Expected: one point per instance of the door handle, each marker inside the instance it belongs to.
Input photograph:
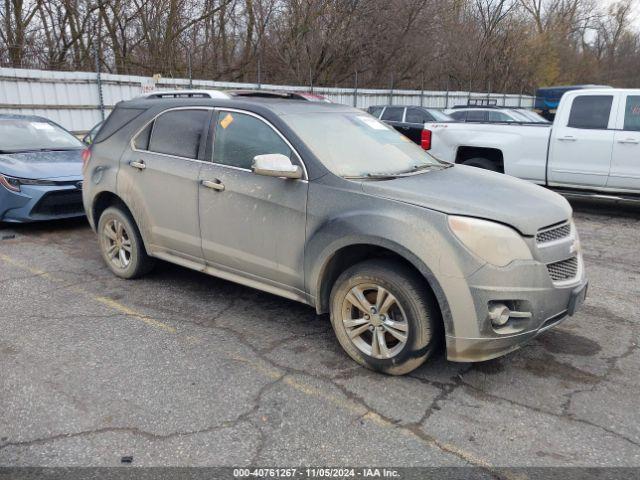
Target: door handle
(568, 138)
(139, 165)
(213, 184)
(629, 140)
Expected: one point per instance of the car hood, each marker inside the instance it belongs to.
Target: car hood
(474, 192)
(42, 165)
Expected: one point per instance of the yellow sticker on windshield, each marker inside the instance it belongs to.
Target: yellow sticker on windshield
(226, 121)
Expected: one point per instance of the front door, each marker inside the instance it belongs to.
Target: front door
(581, 140)
(252, 226)
(158, 179)
(625, 161)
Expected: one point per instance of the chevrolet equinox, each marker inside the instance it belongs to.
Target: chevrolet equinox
(324, 204)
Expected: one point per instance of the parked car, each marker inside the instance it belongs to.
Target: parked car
(324, 204)
(40, 170)
(494, 115)
(592, 148)
(409, 120)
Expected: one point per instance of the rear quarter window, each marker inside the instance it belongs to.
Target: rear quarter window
(115, 121)
(375, 111)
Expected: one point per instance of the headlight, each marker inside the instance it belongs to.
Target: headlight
(493, 242)
(10, 183)
(13, 183)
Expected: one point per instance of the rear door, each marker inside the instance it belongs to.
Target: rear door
(159, 180)
(625, 160)
(581, 141)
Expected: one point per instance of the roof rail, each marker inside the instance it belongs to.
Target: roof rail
(186, 94)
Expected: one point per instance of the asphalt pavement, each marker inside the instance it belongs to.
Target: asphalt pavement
(180, 368)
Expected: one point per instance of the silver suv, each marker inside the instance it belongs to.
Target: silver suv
(325, 204)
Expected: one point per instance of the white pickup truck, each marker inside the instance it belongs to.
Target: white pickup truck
(592, 148)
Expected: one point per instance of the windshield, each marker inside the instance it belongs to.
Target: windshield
(439, 116)
(24, 135)
(355, 144)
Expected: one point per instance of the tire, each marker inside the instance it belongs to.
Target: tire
(414, 316)
(131, 262)
(480, 162)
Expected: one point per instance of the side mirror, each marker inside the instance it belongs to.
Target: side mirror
(275, 165)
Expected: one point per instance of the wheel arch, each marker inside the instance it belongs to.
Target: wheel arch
(494, 155)
(345, 255)
(106, 199)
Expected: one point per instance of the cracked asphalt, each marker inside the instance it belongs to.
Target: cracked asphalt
(180, 368)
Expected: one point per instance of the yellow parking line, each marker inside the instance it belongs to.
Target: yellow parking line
(113, 304)
(132, 313)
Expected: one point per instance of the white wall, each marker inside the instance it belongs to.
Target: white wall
(72, 98)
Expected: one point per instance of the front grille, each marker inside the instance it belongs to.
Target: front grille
(66, 202)
(554, 233)
(564, 270)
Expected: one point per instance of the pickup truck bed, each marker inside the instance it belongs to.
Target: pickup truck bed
(592, 148)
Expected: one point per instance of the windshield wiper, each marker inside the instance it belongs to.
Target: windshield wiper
(371, 176)
(387, 176)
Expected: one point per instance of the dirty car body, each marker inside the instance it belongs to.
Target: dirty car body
(357, 220)
(40, 170)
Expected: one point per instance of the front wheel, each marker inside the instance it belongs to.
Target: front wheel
(384, 317)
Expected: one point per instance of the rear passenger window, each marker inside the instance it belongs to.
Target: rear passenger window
(476, 116)
(393, 114)
(499, 117)
(632, 113)
(241, 137)
(415, 115)
(178, 132)
(591, 112)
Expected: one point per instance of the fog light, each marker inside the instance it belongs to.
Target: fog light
(499, 315)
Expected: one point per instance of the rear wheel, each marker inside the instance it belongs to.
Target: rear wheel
(480, 162)
(121, 245)
(384, 317)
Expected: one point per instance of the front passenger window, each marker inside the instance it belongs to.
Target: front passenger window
(240, 137)
(632, 113)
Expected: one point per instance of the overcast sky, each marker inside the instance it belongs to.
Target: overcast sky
(636, 10)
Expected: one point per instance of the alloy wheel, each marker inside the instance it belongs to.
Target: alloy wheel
(117, 243)
(374, 320)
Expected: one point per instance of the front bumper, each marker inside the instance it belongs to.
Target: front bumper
(41, 202)
(529, 290)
